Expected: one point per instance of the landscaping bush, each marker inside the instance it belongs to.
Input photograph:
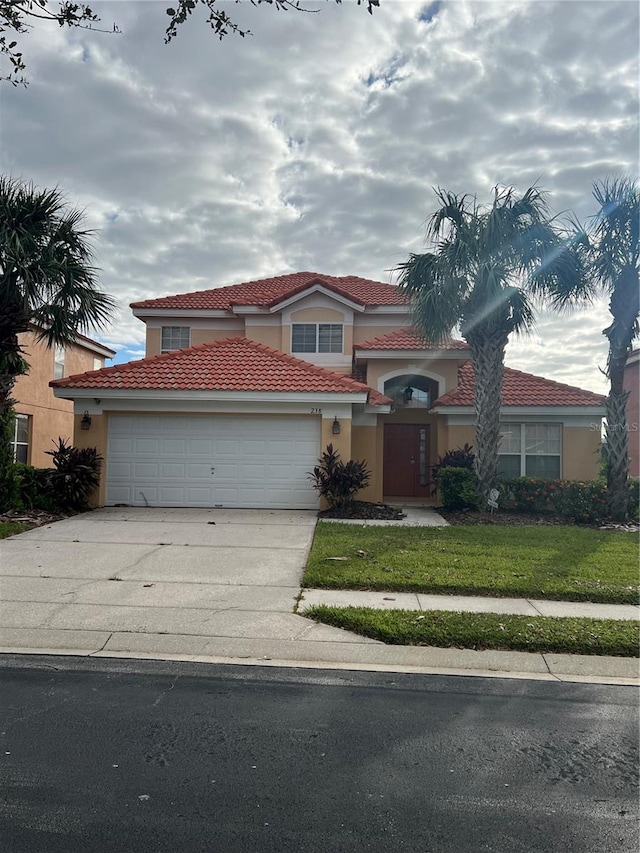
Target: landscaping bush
(461, 457)
(458, 488)
(8, 482)
(337, 481)
(583, 502)
(33, 487)
(634, 500)
(528, 494)
(76, 474)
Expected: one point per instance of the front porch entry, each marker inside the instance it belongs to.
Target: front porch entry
(406, 470)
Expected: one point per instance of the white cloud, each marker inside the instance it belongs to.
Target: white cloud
(314, 143)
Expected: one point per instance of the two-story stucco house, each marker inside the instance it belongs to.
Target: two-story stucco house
(242, 387)
(41, 416)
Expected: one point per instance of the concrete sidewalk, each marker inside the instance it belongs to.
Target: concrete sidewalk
(465, 604)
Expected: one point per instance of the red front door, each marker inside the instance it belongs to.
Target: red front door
(406, 460)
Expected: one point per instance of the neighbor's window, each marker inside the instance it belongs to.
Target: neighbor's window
(175, 337)
(58, 363)
(531, 450)
(97, 364)
(20, 439)
(316, 337)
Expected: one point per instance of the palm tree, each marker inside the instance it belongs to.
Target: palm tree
(485, 269)
(611, 247)
(46, 276)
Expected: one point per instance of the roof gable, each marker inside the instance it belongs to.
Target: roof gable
(270, 291)
(232, 364)
(520, 389)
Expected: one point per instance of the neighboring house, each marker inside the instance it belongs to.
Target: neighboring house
(244, 386)
(41, 416)
(632, 385)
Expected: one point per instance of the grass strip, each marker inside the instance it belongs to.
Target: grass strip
(10, 528)
(562, 563)
(485, 630)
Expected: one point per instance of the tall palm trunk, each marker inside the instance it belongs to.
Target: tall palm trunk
(488, 361)
(624, 306)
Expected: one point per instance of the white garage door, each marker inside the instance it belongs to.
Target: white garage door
(208, 461)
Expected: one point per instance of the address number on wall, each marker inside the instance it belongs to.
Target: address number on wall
(316, 411)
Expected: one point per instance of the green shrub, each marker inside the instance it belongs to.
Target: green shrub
(634, 499)
(338, 481)
(461, 457)
(528, 494)
(584, 502)
(8, 482)
(33, 487)
(458, 488)
(76, 475)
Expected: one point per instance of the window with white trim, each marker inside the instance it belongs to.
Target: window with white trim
(58, 363)
(175, 337)
(531, 450)
(20, 438)
(97, 363)
(316, 337)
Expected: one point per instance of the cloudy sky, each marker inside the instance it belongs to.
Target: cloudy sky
(314, 143)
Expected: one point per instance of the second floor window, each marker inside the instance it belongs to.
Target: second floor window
(316, 337)
(175, 337)
(58, 363)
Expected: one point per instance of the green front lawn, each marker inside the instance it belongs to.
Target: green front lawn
(485, 630)
(563, 563)
(10, 528)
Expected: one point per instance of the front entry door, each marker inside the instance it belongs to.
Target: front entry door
(406, 460)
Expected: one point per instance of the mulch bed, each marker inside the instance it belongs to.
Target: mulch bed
(32, 517)
(365, 511)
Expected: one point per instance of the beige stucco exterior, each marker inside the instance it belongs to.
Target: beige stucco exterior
(95, 436)
(580, 452)
(50, 417)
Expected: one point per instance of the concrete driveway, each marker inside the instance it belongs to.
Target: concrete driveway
(158, 580)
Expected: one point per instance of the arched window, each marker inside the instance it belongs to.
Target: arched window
(411, 391)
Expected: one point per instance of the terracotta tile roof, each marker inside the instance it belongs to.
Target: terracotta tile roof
(408, 338)
(232, 364)
(270, 291)
(520, 389)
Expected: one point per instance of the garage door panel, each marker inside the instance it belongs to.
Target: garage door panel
(146, 471)
(258, 461)
(173, 447)
(171, 470)
(200, 446)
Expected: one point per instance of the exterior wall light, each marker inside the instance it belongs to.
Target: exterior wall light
(85, 423)
(335, 426)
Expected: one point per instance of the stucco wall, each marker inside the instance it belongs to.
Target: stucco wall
(95, 436)
(580, 453)
(366, 443)
(51, 417)
(152, 343)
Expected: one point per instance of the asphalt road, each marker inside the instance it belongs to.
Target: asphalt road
(108, 755)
